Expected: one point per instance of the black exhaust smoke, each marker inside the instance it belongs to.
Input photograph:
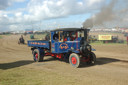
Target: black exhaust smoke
(113, 14)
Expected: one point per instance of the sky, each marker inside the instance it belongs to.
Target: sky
(17, 15)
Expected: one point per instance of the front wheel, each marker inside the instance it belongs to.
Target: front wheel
(74, 60)
(92, 59)
(38, 56)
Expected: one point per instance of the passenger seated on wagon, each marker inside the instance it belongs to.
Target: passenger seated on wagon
(67, 38)
(56, 37)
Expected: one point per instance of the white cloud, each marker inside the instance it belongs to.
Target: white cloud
(18, 0)
(38, 10)
(47, 9)
(18, 14)
(6, 3)
(92, 2)
(13, 27)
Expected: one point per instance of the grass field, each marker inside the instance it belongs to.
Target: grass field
(28, 76)
(120, 35)
(36, 37)
(0, 36)
(18, 68)
(39, 36)
(101, 42)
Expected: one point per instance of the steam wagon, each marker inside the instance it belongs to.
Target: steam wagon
(65, 43)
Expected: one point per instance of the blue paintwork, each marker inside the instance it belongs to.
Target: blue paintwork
(39, 43)
(56, 46)
(64, 47)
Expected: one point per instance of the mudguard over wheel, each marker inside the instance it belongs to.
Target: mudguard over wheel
(74, 60)
(38, 56)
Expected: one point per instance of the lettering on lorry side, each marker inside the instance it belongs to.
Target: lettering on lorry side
(35, 43)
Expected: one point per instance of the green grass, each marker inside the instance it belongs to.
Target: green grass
(28, 76)
(0, 36)
(8, 34)
(37, 37)
(101, 43)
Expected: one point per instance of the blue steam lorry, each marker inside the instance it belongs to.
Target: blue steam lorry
(65, 43)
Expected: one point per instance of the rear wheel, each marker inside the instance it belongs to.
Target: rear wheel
(74, 60)
(38, 56)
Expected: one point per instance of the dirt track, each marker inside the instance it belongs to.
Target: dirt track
(111, 67)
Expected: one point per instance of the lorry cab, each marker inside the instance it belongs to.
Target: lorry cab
(66, 40)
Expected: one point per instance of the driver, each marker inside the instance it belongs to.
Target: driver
(73, 36)
(21, 39)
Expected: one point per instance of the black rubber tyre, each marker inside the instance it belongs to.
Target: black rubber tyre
(92, 59)
(38, 56)
(74, 60)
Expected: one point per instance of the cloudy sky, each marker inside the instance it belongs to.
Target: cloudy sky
(46, 14)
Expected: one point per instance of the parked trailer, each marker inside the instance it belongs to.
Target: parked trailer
(66, 43)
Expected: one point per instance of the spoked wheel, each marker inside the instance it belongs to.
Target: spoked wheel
(37, 56)
(74, 60)
(92, 59)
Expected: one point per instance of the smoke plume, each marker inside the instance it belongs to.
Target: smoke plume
(114, 14)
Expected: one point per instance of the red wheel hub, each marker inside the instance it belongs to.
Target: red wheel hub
(36, 55)
(74, 60)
